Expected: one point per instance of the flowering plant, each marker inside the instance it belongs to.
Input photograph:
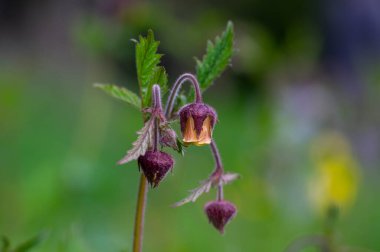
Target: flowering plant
(197, 121)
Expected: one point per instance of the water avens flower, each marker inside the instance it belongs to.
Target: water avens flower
(155, 165)
(219, 213)
(197, 123)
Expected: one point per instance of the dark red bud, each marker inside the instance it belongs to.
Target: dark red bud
(155, 165)
(220, 213)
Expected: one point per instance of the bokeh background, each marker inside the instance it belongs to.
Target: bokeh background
(298, 107)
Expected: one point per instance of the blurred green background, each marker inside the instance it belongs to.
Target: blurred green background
(302, 69)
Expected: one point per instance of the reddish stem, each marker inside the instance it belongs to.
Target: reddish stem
(157, 111)
(177, 85)
(218, 169)
(138, 233)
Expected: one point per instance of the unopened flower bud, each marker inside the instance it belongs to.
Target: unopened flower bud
(220, 213)
(168, 138)
(197, 122)
(155, 165)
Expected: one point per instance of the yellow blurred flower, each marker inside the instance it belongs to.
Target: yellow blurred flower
(335, 180)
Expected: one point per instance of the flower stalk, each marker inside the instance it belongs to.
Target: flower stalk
(197, 122)
(176, 87)
(157, 112)
(142, 198)
(218, 169)
(138, 233)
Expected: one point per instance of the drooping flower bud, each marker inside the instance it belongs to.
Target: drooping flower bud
(155, 165)
(197, 122)
(220, 213)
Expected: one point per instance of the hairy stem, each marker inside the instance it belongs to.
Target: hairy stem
(157, 111)
(157, 97)
(218, 169)
(219, 194)
(156, 134)
(142, 196)
(176, 87)
(138, 233)
(215, 153)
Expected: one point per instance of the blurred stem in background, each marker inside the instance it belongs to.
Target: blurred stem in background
(309, 241)
(332, 216)
(325, 242)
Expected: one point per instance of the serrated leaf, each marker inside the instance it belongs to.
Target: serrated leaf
(120, 93)
(195, 193)
(140, 146)
(216, 59)
(148, 71)
(159, 77)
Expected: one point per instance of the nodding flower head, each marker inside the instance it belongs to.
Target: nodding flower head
(155, 165)
(197, 123)
(220, 213)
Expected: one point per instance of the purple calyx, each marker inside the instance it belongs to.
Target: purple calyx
(155, 165)
(199, 112)
(220, 213)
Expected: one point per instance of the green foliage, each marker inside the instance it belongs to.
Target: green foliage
(148, 71)
(120, 93)
(214, 62)
(159, 77)
(216, 59)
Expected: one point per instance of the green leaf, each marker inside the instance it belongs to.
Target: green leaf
(148, 71)
(120, 93)
(216, 59)
(159, 77)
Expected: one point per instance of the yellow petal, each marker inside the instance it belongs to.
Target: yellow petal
(205, 135)
(190, 134)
